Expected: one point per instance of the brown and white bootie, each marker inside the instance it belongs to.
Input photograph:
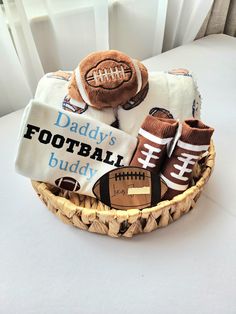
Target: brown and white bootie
(177, 170)
(154, 136)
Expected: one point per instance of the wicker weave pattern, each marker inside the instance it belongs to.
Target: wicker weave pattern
(89, 214)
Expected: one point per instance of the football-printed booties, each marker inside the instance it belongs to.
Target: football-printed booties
(107, 79)
(155, 135)
(177, 170)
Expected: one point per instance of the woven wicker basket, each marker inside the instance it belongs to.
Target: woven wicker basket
(90, 214)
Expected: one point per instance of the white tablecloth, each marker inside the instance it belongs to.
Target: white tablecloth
(188, 267)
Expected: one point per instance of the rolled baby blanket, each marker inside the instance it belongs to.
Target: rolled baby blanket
(67, 150)
(168, 95)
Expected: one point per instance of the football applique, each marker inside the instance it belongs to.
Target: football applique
(109, 74)
(128, 187)
(68, 183)
(107, 79)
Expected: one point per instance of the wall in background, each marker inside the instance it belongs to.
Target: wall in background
(137, 27)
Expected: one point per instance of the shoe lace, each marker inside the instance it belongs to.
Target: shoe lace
(186, 159)
(151, 153)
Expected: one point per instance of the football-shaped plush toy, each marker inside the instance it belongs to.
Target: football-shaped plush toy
(128, 187)
(68, 183)
(107, 79)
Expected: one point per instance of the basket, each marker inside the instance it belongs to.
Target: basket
(90, 214)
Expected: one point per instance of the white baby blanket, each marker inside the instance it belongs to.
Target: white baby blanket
(173, 92)
(69, 150)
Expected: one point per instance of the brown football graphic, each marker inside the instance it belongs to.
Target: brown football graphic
(68, 106)
(68, 183)
(128, 187)
(160, 113)
(137, 99)
(107, 79)
(108, 74)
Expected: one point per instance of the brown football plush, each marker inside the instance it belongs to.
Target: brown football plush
(107, 79)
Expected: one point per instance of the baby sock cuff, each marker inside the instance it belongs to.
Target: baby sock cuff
(195, 132)
(159, 127)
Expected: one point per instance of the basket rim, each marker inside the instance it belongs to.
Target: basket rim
(62, 203)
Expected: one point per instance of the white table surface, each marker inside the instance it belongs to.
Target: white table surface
(188, 267)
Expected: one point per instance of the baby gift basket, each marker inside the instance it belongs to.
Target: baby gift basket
(117, 150)
(89, 214)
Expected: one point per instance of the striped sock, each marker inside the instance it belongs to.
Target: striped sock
(177, 170)
(154, 136)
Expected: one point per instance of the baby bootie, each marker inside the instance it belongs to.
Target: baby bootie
(177, 170)
(154, 136)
